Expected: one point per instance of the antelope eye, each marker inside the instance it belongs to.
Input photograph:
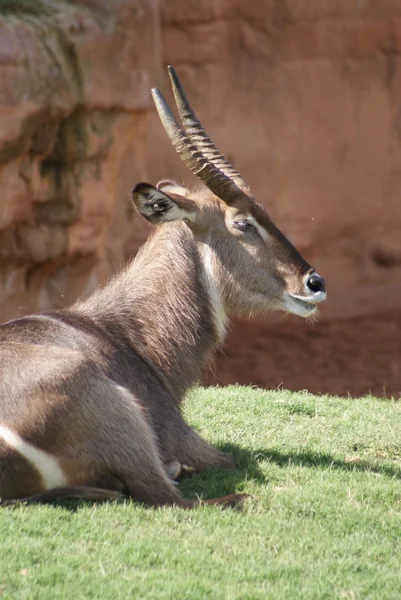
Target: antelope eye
(242, 225)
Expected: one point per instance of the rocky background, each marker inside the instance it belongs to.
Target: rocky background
(304, 97)
(74, 112)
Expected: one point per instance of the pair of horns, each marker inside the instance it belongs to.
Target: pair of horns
(196, 148)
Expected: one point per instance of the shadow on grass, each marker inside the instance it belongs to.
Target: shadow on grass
(326, 461)
(218, 482)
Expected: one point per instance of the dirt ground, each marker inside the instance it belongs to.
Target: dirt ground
(344, 357)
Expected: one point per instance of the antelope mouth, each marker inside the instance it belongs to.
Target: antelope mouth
(303, 307)
(305, 303)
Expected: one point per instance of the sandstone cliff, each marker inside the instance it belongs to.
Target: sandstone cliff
(303, 96)
(74, 105)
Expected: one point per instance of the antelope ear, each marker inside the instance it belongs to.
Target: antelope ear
(158, 207)
(170, 187)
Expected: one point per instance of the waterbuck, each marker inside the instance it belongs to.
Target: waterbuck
(91, 396)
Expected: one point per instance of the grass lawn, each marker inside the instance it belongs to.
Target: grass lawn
(324, 522)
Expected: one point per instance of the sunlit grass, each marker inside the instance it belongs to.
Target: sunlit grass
(324, 520)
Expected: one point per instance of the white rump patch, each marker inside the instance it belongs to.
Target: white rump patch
(44, 463)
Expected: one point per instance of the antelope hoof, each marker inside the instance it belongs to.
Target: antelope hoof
(175, 470)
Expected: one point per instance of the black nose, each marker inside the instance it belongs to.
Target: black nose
(316, 283)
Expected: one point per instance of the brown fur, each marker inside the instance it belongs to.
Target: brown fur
(99, 386)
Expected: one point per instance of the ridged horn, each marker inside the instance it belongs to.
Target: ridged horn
(197, 134)
(195, 148)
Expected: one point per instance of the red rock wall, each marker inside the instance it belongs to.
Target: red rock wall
(303, 96)
(74, 106)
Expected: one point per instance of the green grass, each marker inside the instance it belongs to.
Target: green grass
(325, 520)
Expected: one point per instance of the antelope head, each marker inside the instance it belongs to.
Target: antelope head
(248, 265)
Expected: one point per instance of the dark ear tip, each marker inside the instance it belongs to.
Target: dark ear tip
(140, 188)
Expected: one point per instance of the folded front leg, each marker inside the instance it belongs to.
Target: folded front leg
(199, 455)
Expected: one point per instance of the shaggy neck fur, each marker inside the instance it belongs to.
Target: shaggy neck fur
(168, 306)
